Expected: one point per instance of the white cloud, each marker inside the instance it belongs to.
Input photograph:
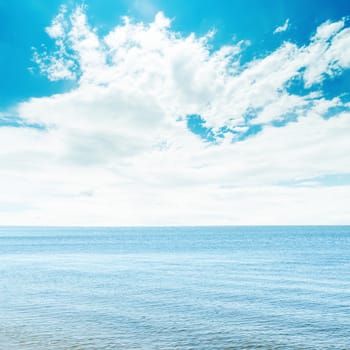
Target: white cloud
(282, 28)
(328, 29)
(116, 149)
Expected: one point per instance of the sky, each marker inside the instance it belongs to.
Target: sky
(123, 113)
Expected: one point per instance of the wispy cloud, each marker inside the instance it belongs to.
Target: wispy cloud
(123, 134)
(282, 28)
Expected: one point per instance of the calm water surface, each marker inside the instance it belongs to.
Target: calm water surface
(175, 288)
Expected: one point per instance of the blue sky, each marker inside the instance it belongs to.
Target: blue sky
(185, 113)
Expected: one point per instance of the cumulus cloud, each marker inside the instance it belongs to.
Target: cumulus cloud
(121, 134)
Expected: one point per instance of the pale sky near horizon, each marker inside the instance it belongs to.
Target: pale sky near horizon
(174, 113)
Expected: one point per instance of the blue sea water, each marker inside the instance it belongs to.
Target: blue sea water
(175, 288)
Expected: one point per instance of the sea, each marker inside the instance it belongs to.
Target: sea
(244, 287)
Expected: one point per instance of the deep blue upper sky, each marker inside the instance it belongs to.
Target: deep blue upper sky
(22, 25)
